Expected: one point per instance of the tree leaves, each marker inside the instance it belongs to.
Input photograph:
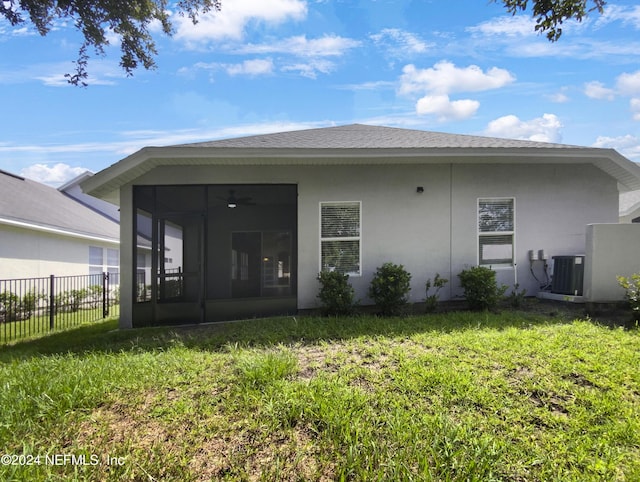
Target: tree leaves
(130, 21)
(551, 14)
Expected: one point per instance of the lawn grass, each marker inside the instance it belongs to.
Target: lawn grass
(38, 325)
(457, 396)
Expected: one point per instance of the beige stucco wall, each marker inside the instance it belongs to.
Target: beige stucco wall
(25, 253)
(611, 250)
(432, 232)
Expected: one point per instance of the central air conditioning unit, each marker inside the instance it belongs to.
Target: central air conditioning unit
(568, 275)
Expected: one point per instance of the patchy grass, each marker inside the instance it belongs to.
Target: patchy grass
(458, 396)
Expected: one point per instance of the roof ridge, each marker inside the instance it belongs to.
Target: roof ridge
(369, 136)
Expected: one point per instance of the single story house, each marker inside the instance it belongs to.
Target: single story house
(253, 220)
(44, 231)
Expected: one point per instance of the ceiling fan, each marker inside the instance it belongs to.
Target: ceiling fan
(233, 201)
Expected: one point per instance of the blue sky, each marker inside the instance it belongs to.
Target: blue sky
(271, 65)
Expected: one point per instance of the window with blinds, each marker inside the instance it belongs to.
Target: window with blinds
(496, 221)
(340, 238)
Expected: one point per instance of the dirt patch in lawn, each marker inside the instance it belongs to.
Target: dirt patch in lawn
(609, 314)
(286, 455)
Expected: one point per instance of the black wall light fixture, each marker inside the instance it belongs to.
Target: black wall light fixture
(419, 189)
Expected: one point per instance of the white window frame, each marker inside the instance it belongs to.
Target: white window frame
(343, 238)
(481, 234)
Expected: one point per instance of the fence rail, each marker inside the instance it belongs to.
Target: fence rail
(32, 306)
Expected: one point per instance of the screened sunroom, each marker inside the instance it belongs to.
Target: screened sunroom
(218, 252)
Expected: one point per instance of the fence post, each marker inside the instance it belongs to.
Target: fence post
(52, 301)
(105, 297)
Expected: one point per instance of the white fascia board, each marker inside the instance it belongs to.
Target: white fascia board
(58, 231)
(108, 181)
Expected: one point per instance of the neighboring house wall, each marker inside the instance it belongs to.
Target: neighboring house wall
(612, 250)
(44, 231)
(429, 233)
(630, 207)
(25, 253)
(105, 208)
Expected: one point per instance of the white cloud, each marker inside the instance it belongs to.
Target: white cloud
(101, 72)
(436, 83)
(232, 20)
(635, 108)
(620, 142)
(53, 175)
(445, 78)
(597, 90)
(301, 46)
(311, 53)
(516, 26)
(445, 109)
(541, 129)
(400, 43)
(618, 13)
(253, 67)
(310, 69)
(627, 145)
(559, 98)
(372, 85)
(629, 84)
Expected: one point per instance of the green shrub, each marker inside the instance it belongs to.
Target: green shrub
(431, 302)
(480, 288)
(516, 297)
(390, 288)
(70, 301)
(336, 294)
(632, 287)
(14, 308)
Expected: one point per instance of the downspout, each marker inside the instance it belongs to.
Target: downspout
(450, 231)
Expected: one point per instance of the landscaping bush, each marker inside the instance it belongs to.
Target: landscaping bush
(390, 288)
(14, 308)
(632, 287)
(336, 294)
(516, 297)
(431, 302)
(480, 288)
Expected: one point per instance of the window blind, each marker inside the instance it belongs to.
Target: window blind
(340, 237)
(495, 215)
(496, 231)
(340, 220)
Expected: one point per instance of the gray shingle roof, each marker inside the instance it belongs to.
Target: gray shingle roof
(38, 205)
(359, 136)
(356, 144)
(629, 201)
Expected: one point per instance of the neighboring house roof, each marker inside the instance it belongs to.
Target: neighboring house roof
(33, 205)
(358, 144)
(72, 189)
(629, 203)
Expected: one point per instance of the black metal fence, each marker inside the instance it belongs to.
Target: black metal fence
(33, 306)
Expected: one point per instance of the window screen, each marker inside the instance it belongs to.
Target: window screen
(496, 221)
(340, 239)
